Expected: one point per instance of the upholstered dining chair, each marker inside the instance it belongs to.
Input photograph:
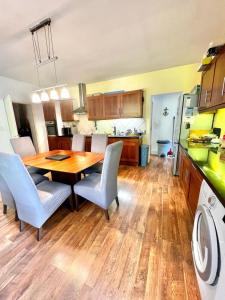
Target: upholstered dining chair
(35, 204)
(24, 147)
(98, 145)
(7, 197)
(101, 189)
(78, 142)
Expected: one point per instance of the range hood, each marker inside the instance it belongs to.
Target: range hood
(81, 110)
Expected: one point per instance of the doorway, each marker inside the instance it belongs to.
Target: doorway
(22, 120)
(163, 118)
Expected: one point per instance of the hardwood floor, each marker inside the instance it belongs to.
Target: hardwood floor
(143, 252)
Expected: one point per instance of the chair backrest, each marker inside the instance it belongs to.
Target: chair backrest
(22, 187)
(110, 170)
(99, 143)
(78, 143)
(23, 146)
(7, 197)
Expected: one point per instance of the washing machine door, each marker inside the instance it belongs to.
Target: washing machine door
(205, 246)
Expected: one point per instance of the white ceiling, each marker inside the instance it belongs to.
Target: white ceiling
(102, 39)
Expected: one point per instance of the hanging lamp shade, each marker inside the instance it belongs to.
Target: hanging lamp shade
(36, 98)
(65, 93)
(44, 96)
(54, 95)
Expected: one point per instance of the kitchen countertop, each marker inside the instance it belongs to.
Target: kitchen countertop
(206, 158)
(110, 136)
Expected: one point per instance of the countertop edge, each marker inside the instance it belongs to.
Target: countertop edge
(216, 192)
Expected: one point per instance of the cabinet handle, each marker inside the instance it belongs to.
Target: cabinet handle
(223, 86)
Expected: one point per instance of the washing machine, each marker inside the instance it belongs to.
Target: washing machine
(208, 245)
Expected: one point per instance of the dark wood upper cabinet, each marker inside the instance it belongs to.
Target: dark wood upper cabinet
(115, 106)
(95, 107)
(66, 107)
(49, 110)
(206, 87)
(112, 106)
(132, 104)
(218, 92)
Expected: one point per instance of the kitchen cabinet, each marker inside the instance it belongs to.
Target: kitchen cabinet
(218, 92)
(190, 180)
(66, 107)
(95, 107)
(131, 149)
(112, 106)
(115, 106)
(207, 87)
(131, 104)
(49, 110)
(59, 143)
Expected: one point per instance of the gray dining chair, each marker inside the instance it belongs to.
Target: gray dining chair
(101, 189)
(34, 204)
(78, 142)
(24, 147)
(7, 197)
(98, 145)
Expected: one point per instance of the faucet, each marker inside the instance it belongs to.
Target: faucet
(114, 130)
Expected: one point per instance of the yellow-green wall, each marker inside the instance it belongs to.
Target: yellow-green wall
(219, 120)
(177, 79)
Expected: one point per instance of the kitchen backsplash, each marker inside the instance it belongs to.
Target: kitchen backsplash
(84, 126)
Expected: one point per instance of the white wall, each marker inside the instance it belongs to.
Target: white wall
(5, 145)
(162, 125)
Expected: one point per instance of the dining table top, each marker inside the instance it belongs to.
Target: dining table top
(76, 163)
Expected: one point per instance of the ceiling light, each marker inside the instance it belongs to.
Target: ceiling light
(44, 96)
(54, 95)
(36, 98)
(65, 93)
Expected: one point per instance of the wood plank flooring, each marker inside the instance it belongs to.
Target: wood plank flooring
(144, 252)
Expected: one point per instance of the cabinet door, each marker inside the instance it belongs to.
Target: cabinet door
(132, 104)
(66, 107)
(64, 143)
(112, 106)
(195, 185)
(88, 144)
(206, 88)
(49, 110)
(95, 107)
(185, 171)
(52, 143)
(130, 152)
(218, 93)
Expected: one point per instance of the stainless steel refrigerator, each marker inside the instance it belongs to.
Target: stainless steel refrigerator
(187, 108)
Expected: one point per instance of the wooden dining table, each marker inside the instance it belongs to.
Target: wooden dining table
(66, 171)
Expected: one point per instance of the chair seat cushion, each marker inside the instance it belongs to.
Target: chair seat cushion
(38, 178)
(97, 168)
(89, 188)
(53, 194)
(33, 170)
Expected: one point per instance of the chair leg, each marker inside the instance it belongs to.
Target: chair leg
(16, 216)
(76, 202)
(106, 214)
(4, 209)
(39, 234)
(21, 226)
(71, 203)
(117, 201)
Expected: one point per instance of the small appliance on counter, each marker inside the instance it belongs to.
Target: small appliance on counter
(66, 131)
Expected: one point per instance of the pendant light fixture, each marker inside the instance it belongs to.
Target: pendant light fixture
(53, 93)
(44, 96)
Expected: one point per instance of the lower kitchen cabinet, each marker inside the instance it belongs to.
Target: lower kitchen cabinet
(191, 180)
(59, 143)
